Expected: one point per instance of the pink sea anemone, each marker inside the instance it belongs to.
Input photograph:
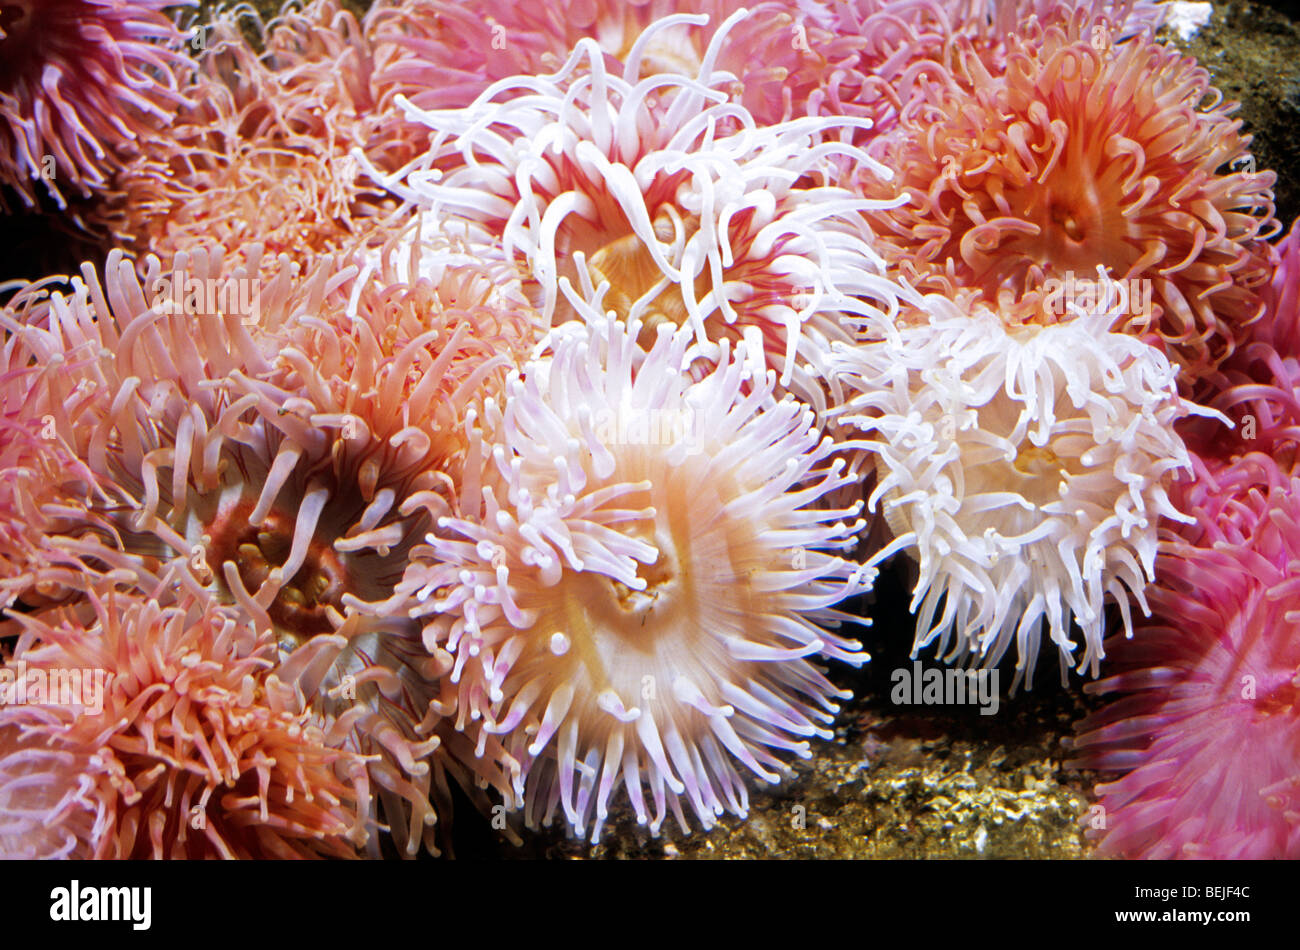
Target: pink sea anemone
(145, 725)
(1025, 469)
(79, 80)
(444, 55)
(40, 479)
(294, 438)
(1258, 387)
(674, 196)
(635, 585)
(1280, 327)
(1086, 152)
(1204, 724)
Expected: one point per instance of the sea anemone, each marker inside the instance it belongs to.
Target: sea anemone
(1025, 469)
(262, 154)
(1205, 726)
(1086, 152)
(635, 593)
(1280, 326)
(674, 196)
(79, 80)
(159, 732)
(1258, 387)
(895, 47)
(444, 55)
(295, 438)
(40, 479)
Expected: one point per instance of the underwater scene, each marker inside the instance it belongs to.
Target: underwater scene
(649, 429)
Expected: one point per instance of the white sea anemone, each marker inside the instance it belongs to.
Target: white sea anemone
(667, 189)
(635, 594)
(1025, 470)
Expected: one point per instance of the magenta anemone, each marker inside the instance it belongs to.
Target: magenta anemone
(1205, 724)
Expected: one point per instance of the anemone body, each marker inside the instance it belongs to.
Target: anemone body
(635, 595)
(1025, 470)
(1202, 726)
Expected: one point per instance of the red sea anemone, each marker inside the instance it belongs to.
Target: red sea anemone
(80, 79)
(147, 724)
(1087, 152)
(634, 594)
(1206, 729)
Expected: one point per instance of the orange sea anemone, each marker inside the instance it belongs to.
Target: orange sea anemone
(262, 155)
(147, 723)
(1086, 152)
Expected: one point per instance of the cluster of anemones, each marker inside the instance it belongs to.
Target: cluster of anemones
(286, 443)
(540, 467)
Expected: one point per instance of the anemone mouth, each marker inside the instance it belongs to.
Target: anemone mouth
(1283, 699)
(1043, 473)
(660, 579)
(628, 266)
(301, 608)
